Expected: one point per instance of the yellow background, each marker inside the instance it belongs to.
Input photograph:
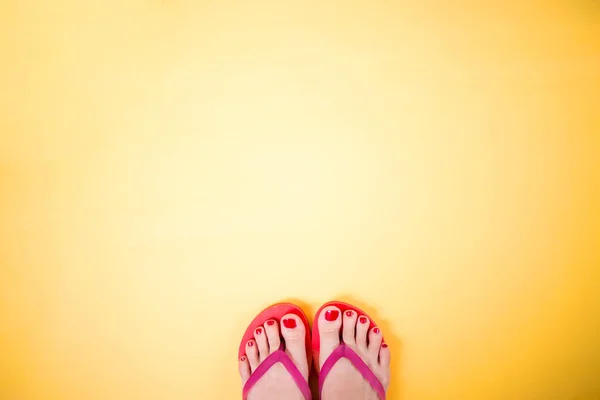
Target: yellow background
(170, 167)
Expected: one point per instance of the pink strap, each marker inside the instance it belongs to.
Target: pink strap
(344, 351)
(278, 356)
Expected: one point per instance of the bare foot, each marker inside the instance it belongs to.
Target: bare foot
(276, 383)
(344, 380)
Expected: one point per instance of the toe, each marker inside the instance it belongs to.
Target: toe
(294, 334)
(261, 343)
(375, 339)
(384, 356)
(292, 329)
(244, 368)
(384, 364)
(349, 327)
(362, 327)
(330, 323)
(252, 354)
(329, 320)
(272, 330)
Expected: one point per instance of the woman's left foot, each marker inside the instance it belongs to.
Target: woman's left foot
(277, 383)
(344, 381)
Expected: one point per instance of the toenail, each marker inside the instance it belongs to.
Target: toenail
(243, 358)
(363, 320)
(271, 323)
(384, 345)
(376, 331)
(250, 343)
(289, 323)
(258, 331)
(348, 313)
(332, 315)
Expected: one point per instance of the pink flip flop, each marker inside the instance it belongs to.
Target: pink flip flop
(343, 351)
(276, 312)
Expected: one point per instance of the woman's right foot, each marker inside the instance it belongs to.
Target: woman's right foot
(344, 381)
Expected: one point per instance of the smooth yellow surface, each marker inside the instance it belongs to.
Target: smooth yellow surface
(168, 168)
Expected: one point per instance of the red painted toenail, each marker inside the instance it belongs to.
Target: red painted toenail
(332, 315)
(289, 323)
(384, 345)
(376, 331)
(258, 331)
(250, 343)
(271, 323)
(348, 313)
(363, 320)
(243, 358)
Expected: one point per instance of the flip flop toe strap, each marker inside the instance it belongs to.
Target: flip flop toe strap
(346, 352)
(278, 357)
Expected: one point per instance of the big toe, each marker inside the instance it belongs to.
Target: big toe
(330, 323)
(294, 335)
